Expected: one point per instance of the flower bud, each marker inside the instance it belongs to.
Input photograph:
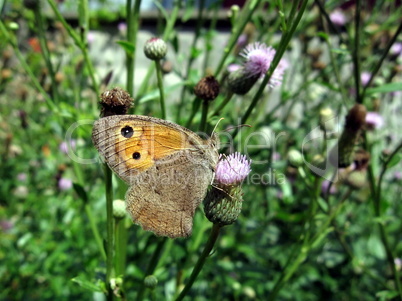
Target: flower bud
(343, 152)
(327, 120)
(222, 208)
(295, 158)
(150, 281)
(240, 82)
(356, 179)
(155, 49)
(207, 88)
(119, 209)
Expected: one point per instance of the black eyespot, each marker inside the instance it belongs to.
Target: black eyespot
(136, 155)
(127, 131)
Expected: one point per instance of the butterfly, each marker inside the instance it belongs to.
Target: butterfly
(168, 169)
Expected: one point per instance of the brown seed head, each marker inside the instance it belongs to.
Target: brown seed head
(115, 102)
(207, 88)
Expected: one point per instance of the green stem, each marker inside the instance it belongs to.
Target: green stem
(200, 263)
(46, 52)
(228, 97)
(379, 63)
(120, 246)
(196, 106)
(27, 68)
(109, 226)
(282, 48)
(160, 86)
(204, 115)
(356, 52)
(132, 30)
(95, 231)
(383, 235)
(152, 265)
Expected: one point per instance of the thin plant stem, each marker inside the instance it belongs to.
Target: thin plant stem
(109, 227)
(383, 235)
(381, 60)
(160, 87)
(204, 115)
(120, 246)
(196, 106)
(132, 31)
(227, 99)
(282, 48)
(152, 265)
(201, 260)
(95, 232)
(356, 52)
(46, 52)
(28, 70)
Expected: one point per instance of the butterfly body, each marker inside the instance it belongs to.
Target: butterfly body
(167, 167)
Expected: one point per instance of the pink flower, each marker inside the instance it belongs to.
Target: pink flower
(122, 27)
(365, 77)
(233, 169)
(65, 184)
(91, 37)
(374, 120)
(233, 67)
(325, 185)
(258, 61)
(337, 17)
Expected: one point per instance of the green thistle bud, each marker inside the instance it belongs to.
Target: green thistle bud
(295, 158)
(326, 119)
(240, 81)
(150, 281)
(119, 209)
(155, 49)
(221, 207)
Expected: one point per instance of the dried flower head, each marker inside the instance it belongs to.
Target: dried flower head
(207, 88)
(115, 102)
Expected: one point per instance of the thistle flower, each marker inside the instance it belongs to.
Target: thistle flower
(64, 146)
(223, 202)
(232, 170)
(396, 49)
(258, 58)
(365, 77)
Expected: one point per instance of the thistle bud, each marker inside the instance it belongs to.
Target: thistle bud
(115, 102)
(240, 82)
(223, 202)
(356, 179)
(207, 88)
(343, 153)
(119, 209)
(155, 49)
(295, 158)
(326, 119)
(150, 281)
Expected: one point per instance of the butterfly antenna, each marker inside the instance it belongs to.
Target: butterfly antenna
(237, 126)
(216, 125)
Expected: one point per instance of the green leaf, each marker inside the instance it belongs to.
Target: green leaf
(394, 161)
(392, 87)
(86, 284)
(81, 192)
(128, 47)
(323, 35)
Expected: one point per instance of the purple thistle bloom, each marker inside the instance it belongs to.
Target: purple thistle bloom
(365, 77)
(22, 177)
(122, 27)
(65, 184)
(325, 185)
(91, 37)
(258, 60)
(374, 120)
(233, 169)
(337, 17)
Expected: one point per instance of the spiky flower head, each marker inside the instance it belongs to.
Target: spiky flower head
(224, 201)
(207, 88)
(232, 170)
(258, 59)
(155, 49)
